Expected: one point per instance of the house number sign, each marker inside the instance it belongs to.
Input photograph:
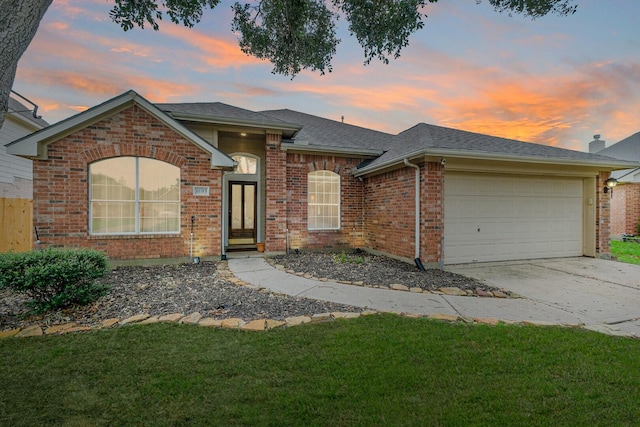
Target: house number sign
(200, 191)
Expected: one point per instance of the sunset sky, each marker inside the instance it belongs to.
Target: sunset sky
(555, 80)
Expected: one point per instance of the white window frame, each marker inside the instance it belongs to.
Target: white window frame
(137, 201)
(318, 198)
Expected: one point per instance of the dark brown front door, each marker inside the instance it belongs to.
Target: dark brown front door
(242, 212)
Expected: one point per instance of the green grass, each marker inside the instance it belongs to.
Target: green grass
(628, 252)
(376, 370)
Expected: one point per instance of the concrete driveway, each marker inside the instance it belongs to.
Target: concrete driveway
(604, 295)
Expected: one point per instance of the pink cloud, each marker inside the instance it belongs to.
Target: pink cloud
(212, 50)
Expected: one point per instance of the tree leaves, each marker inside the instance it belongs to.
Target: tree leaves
(382, 27)
(130, 13)
(295, 35)
(534, 8)
(292, 34)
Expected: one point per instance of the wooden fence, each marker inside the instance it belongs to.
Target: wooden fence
(16, 225)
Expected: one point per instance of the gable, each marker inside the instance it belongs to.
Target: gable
(626, 149)
(35, 145)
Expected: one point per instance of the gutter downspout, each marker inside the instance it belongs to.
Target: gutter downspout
(417, 213)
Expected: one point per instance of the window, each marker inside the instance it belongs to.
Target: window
(134, 195)
(324, 200)
(246, 165)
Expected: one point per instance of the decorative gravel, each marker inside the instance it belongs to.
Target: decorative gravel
(374, 270)
(209, 289)
(166, 289)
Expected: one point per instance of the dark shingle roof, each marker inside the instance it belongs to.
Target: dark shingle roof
(318, 131)
(431, 139)
(315, 132)
(219, 110)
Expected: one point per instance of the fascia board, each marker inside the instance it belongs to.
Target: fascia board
(226, 121)
(23, 121)
(602, 165)
(294, 147)
(34, 145)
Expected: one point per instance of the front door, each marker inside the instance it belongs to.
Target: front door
(242, 213)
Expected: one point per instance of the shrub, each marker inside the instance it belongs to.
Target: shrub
(55, 278)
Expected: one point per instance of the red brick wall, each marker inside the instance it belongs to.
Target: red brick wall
(276, 193)
(389, 212)
(603, 210)
(625, 209)
(432, 212)
(351, 233)
(61, 188)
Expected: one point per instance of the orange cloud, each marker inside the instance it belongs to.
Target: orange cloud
(214, 51)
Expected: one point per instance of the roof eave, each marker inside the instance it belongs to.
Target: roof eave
(226, 121)
(357, 152)
(602, 165)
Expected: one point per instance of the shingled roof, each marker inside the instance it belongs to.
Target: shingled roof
(427, 139)
(324, 133)
(223, 113)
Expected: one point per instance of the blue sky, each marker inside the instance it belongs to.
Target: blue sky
(555, 80)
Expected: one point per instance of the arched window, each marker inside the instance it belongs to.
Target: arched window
(134, 195)
(323, 200)
(247, 165)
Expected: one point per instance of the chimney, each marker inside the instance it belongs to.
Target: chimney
(597, 144)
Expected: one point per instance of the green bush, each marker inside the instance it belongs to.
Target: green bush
(55, 278)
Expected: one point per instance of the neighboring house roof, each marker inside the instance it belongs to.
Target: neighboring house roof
(626, 149)
(219, 113)
(35, 145)
(19, 111)
(322, 134)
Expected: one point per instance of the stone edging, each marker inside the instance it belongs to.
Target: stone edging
(254, 325)
(237, 323)
(452, 291)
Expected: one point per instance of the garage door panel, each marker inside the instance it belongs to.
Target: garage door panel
(503, 217)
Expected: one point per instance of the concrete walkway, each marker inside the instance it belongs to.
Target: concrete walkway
(600, 295)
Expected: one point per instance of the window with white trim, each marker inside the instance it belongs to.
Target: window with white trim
(134, 195)
(323, 189)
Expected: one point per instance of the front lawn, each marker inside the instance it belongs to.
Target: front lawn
(375, 370)
(628, 252)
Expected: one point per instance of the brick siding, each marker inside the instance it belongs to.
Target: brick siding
(625, 209)
(276, 203)
(61, 187)
(603, 209)
(351, 232)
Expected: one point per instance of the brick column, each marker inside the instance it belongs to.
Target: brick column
(276, 194)
(431, 212)
(603, 216)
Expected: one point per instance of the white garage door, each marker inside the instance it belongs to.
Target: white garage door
(508, 217)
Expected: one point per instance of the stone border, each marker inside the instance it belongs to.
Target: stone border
(253, 325)
(238, 323)
(452, 291)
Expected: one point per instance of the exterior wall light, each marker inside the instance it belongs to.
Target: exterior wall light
(609, 184)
